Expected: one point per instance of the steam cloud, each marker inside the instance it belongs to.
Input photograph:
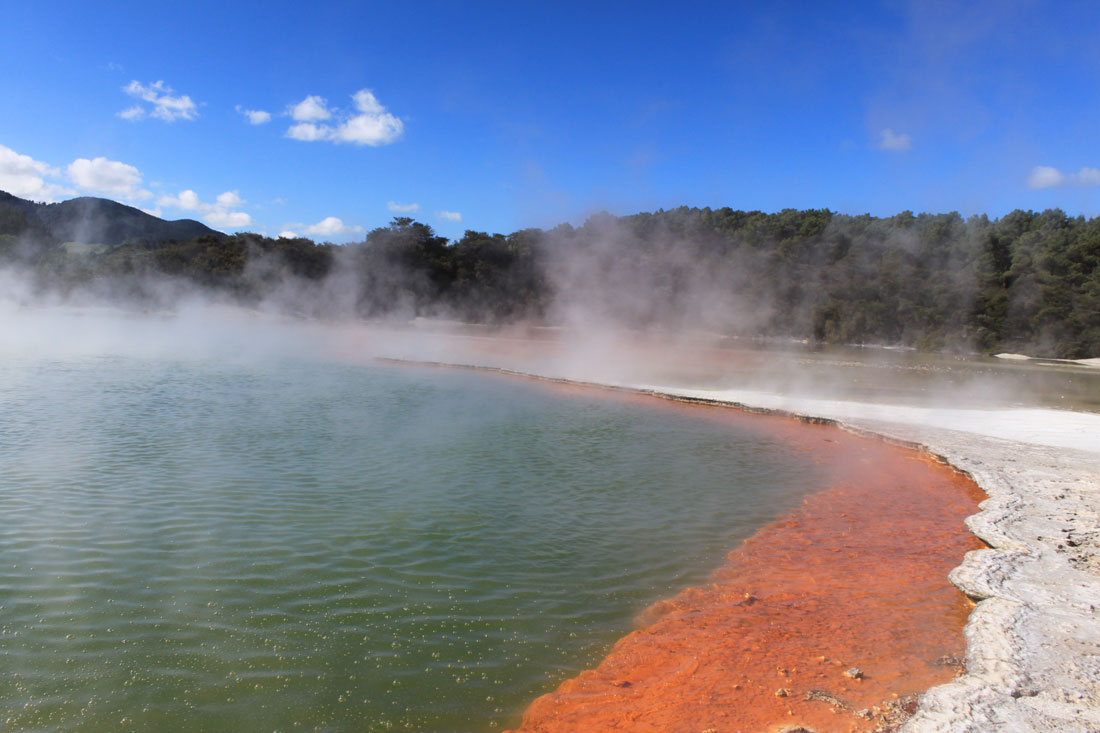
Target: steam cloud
(625, 293)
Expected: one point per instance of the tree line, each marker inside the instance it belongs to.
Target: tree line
(1027, 281)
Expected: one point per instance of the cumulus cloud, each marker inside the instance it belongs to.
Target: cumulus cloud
(311, 109)
(217, 214)
(163, 104)
(187, 200)
(1045, 176)
(229, 200)
(26, 177)
(331, 226)
(227, 219)
(287, 234)
(23, 176)
(897, 142)
(255, 116)
(309, 132)
(110, 177)
(449, 215)
(368, 124)
(399, 208)
(373, 125)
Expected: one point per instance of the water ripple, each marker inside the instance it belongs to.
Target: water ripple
(195, 546)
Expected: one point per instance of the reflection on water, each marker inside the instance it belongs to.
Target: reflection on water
(197, 545)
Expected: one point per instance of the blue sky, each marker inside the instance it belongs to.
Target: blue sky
(499, 116)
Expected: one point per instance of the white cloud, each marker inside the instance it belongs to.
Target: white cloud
(255, 116)
(132, 114)
(372, 126)
(308, 131)
(155, 211)
(217, 214)
(229, 200)
(311, 109)
(895, 141)
(331, 226)
(1045, 176)
(111, 177)
(164, 105)
(227, 219)
(23, 176)
(187, 200)
(449, 215)
(1088, 177)
(399, 208)
(287, 234)
(369, 124)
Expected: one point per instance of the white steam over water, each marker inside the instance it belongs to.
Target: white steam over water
(988, 401)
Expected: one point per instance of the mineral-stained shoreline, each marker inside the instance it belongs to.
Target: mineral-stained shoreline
(1033, 639)
(833, 617)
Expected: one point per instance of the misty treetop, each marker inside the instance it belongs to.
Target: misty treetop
(1025, 282)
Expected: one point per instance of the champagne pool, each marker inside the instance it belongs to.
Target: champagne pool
(211, 544)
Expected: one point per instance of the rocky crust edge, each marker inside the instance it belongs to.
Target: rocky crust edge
(1033, 641)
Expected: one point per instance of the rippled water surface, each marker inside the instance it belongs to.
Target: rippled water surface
(208, 545)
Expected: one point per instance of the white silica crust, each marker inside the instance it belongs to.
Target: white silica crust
(1033, 641)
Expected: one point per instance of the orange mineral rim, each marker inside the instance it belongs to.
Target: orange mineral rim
(832, 618)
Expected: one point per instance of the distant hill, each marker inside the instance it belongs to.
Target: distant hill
(89, 220)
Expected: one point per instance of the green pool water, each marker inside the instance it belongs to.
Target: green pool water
(280, 544)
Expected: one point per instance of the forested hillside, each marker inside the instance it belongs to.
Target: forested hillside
(1027, 281)
(88, 220)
